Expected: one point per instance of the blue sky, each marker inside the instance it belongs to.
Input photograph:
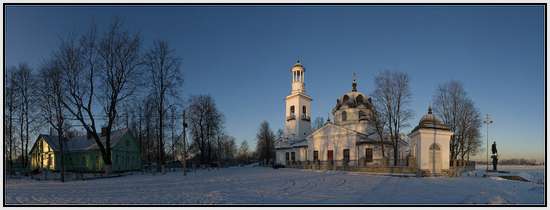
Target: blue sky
(241, 55)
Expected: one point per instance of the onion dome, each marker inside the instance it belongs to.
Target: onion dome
(430, 121)
(353, 99)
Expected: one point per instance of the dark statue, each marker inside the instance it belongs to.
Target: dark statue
(494, 156)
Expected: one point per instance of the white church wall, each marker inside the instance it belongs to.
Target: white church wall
(280, 155)
(298, 128)
(336, 141)
(376, 153)
(423, 139)
(352, 119)
(303, 154)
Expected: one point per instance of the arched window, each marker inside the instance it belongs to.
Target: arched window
(359, 99)
(304, 111)
(291, 110)
(434, 146)
(345, 99)
(344, 116)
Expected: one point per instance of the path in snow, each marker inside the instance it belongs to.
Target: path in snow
(269, 186)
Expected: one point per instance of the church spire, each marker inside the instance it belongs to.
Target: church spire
(354, 83)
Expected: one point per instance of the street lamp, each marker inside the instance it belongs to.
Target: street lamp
(487, 121)
(433, 145)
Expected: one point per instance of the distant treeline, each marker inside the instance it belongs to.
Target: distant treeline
(516, 161)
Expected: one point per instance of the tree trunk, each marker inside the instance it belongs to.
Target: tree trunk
(21, 133)
(108, 163)
(140, 141)
(11, 145)
(27, 138)
(395, 154)
(160, 161)
(61, 151)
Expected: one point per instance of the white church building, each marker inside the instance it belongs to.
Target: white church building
(350, 138)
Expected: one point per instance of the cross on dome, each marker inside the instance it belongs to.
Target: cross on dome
(354, 83)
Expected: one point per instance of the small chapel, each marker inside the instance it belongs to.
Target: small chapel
(349, 138)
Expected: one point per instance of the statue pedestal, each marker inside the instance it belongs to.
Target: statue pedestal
(495, 161)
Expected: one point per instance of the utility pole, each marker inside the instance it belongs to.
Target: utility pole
(487, 121)
(184, 144)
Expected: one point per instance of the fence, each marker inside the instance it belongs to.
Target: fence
(351, 165)
(468, 165)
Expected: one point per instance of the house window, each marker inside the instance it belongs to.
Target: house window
(293, 156)
(346, 155)
(344, 116)
(97, 161)
(368, 154)
(315, 155)
(49, 160)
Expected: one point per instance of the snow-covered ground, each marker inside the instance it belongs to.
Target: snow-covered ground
(257, 185)
(532, 173)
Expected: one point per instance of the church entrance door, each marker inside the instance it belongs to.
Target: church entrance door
(330, 155)
(435, 158)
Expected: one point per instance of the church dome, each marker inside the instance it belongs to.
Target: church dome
(430, 121)
(298, 66)
(353, 99)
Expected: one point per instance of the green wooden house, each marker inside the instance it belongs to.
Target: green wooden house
(82, 154)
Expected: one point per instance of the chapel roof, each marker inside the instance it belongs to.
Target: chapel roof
(430, 121)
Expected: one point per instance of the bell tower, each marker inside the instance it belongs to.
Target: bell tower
(298, 106)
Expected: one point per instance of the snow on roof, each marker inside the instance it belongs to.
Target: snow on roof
(82, 143)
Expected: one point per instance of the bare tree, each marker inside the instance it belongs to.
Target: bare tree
(379, 124)
(164, 70)
(10, 104)
(318, 123)
(52, 104)
(119, 61)
(229, 148)
(458, 112)
(183, 143)
(112, 61)
(173, 131)
(265, 143)
(23, 83)
(392, 95)
(279, 134)
(148, 121)
(205, 122)
(243, 153)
